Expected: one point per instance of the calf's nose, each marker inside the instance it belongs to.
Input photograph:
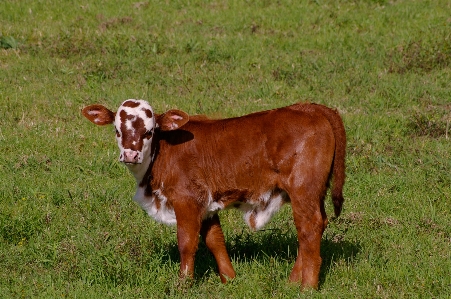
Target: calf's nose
(129, 157)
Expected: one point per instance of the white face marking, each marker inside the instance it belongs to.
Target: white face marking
(128, 124)
(133, 120)
(137, 112)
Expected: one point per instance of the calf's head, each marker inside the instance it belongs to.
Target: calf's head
(136, 124)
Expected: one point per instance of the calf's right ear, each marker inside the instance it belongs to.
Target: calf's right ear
(98, 114)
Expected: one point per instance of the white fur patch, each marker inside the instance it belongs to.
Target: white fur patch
(163, 213)
(213, 207)
(128, 124)
(257, 214)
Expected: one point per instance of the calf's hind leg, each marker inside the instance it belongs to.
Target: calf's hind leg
(309, 219)
(212, 234)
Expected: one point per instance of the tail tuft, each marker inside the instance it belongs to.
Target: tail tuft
(337, 200)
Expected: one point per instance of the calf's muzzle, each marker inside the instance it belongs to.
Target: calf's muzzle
(129, 157)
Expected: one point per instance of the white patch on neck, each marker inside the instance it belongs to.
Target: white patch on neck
(139, 170)
(155, 206)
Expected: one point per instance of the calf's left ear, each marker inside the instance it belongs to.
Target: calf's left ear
(172, 120)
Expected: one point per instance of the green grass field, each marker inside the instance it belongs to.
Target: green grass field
(68, 225)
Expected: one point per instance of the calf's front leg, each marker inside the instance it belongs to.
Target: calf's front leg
(188, 229)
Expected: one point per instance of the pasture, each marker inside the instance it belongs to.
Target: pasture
(68, 225)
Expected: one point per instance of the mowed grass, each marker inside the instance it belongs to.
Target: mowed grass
(68, 226)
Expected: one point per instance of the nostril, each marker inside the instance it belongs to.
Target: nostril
(130, 157)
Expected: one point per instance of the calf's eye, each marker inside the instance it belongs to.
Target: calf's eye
(148, 134)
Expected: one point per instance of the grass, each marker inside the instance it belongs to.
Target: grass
(68, 226)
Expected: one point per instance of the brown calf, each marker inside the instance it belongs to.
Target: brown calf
(189, 169)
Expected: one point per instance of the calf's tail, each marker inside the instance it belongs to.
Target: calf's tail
(338, 166)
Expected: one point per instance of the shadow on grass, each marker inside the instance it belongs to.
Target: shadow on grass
(333, 252)
(266, 244)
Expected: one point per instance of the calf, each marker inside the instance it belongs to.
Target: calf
(188, 169)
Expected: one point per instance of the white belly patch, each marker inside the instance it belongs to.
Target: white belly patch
(257, 213)
(157, 208)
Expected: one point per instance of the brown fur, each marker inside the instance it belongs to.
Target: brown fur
(291, 149)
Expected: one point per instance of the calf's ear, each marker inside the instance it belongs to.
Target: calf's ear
(98, 114)
(172, 120)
